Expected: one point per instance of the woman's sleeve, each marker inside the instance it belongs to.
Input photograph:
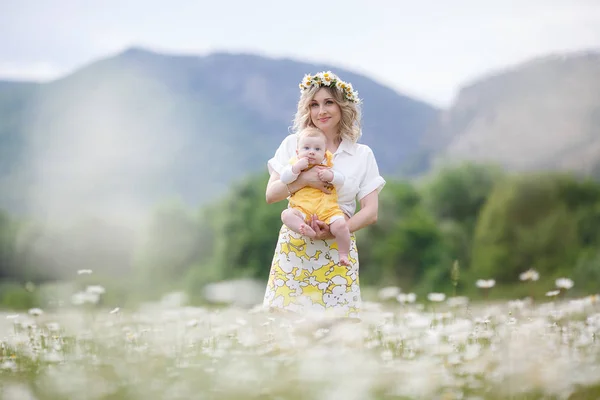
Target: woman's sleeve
(371, 178)
(283, 154)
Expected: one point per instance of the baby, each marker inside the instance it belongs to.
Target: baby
(307, 201)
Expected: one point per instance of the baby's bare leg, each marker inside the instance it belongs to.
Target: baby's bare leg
(340, 230)
(293, 220)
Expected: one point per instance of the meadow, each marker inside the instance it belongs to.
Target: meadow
(404, 347)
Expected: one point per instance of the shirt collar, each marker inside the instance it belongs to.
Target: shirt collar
(346, 146)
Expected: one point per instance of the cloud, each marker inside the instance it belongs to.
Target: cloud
(427, 48)
(37, 71)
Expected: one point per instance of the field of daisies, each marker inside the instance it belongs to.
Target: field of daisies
(404, 347)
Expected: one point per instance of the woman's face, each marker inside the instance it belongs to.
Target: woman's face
(325, 113)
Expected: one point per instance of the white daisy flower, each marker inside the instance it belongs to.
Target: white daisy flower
(35, 312)
(458, 301)
(388, 293)
(564, 283)
(307, 81)
(80, 298)
(436, 297)
(95, 289)
(485, 283)
(529, 275)
(406, 298)
(84, 272)
(53, 326)
(327, 78)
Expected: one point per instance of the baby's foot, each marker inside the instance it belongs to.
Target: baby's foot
(307, 231)
(344, 260)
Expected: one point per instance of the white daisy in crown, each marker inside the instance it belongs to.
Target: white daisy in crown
(326, 77)
(329, 79)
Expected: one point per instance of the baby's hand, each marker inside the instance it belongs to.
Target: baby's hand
(300, 165)
(325, 175)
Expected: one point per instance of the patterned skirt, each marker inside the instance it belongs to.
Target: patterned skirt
(306, 277)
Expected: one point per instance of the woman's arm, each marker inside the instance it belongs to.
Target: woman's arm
(367, 215)
(277, 190)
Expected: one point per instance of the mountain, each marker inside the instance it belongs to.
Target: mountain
(125, 132)
(14, 97)
(543, 114)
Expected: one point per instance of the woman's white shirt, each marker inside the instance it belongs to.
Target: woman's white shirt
(355, 161)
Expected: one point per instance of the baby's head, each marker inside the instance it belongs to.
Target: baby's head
(311, 144)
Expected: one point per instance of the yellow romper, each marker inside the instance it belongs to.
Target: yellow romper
(311, 201)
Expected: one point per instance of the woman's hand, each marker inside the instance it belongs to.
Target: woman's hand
(311, 178)
(320, 228)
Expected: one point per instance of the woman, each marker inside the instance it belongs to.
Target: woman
(304, 276)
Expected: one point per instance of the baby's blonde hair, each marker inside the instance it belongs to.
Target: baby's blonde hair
(349, 126)
(311, 131)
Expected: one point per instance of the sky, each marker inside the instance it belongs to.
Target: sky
(426, 49)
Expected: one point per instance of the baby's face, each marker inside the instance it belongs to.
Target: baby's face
(312, 148)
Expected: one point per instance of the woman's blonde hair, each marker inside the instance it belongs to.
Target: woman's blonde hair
(349, 126)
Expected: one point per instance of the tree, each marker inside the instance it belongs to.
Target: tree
(458, 193)
(247, 229)
(7, 232)
(455, 196)
(525, 224)
(405, 243)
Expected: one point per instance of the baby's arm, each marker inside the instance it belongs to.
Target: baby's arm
(288, 176)
(336, 178)
(291, 172)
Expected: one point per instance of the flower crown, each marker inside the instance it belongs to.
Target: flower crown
(329, 79)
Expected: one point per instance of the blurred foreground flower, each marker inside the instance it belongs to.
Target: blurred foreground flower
(241, 292)
(53, 326)
(96, 289)
(457, 301)
(35, 312)
(529, 275)
(485, 283)
(174, 300)
(564, 283)
(532, 276)
(91, 295)
(388, 293)
(406, 298)
(436, 297)
(84, 272)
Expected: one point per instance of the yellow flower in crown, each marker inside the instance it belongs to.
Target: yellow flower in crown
(329, 79)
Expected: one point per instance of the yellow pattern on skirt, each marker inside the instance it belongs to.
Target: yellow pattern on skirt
(306, 276)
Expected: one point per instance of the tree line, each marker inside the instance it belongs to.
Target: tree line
(492, 224)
